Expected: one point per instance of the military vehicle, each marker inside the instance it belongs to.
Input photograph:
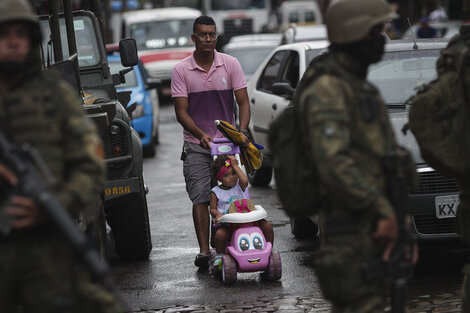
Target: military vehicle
(73, 44)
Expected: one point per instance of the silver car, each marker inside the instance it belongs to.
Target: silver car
(433, 206)
(404, 67)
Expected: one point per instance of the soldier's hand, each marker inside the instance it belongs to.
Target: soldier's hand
(205, 141)
(8, 175)
(25, 213)
(387, 234)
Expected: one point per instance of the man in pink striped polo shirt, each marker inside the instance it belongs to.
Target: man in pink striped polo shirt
(203, 86)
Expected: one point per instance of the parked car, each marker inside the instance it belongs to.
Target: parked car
(144, 95)
(286, 63)
(434, 204)
(402, 69)
(251, 50)
(163, 38)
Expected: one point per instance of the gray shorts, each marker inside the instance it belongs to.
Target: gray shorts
(196, 171)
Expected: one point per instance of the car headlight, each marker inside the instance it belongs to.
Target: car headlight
(139, 111)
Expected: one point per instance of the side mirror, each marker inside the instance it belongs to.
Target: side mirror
(284, 90)
(128, 52)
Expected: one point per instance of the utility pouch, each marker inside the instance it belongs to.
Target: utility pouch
(184, 153)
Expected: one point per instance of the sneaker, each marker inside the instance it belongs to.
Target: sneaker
(202, 260)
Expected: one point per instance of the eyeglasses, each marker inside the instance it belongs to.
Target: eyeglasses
(202, 36)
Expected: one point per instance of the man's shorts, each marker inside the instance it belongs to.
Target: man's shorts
(196, 171)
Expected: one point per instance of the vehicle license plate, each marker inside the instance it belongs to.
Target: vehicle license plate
(446, 206)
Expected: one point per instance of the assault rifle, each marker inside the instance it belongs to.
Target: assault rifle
(34, 179)
(399, 267)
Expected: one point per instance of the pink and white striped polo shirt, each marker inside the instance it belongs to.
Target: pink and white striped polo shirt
(210, 94)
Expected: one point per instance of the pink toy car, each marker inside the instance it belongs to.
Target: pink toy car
(248, 250)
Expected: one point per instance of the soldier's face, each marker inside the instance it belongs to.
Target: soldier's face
(15, 42)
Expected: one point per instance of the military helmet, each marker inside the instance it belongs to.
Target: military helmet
(351, 20)
(17, 10)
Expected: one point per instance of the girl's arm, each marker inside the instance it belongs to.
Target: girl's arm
(242, 179)
(213, 208)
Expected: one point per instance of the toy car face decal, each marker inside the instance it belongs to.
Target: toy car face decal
(253, 241)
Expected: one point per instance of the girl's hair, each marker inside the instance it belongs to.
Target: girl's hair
(217, 164)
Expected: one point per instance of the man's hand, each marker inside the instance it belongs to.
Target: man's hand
(8, 175)
(387, 234)
(205, 141)
(25, 213)
(246, 141)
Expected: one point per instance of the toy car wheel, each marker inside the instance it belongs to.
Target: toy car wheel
(229, 269)
(274, 266)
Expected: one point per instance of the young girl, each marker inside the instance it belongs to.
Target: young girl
(233, 187)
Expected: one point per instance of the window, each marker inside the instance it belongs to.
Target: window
(309, 16)
(131, 80)
(87, 45)
(162, 34)
(272, 71)
(293, 17)
(291, 71)
(403, 71)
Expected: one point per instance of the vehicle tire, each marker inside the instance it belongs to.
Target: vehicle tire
(262, 177)
(156, 137)
(96, 231)
(149, 151)
(131, 228)
(229, 269)
(303, 227)
(274, 266)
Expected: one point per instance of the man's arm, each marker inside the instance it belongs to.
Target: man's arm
(183, 117)
(244, 107)
(244, 113)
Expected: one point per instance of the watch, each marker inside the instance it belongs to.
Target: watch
(245, 132)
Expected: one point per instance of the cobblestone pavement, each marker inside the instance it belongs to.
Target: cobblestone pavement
(438, 303)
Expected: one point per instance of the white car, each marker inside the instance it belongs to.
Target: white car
(286, 64)
(251, 50)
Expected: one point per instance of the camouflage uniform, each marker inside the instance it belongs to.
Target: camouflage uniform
(39, 272)
(349, 133)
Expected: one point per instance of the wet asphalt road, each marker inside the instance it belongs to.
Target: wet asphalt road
(170, 278)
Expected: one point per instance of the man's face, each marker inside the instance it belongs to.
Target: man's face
(204, 38)
(15, 42)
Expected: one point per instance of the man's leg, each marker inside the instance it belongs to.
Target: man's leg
(196, 170)
(201, 224)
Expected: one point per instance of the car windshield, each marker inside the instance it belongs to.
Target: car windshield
(131, 80)
(238, 4)
(399, 73)
(162, 34)
(87, 45)
(250, 58)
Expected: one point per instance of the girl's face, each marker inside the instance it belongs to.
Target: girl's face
(229, 179)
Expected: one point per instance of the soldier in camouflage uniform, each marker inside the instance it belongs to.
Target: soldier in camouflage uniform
(38, 271)
(349, 134)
